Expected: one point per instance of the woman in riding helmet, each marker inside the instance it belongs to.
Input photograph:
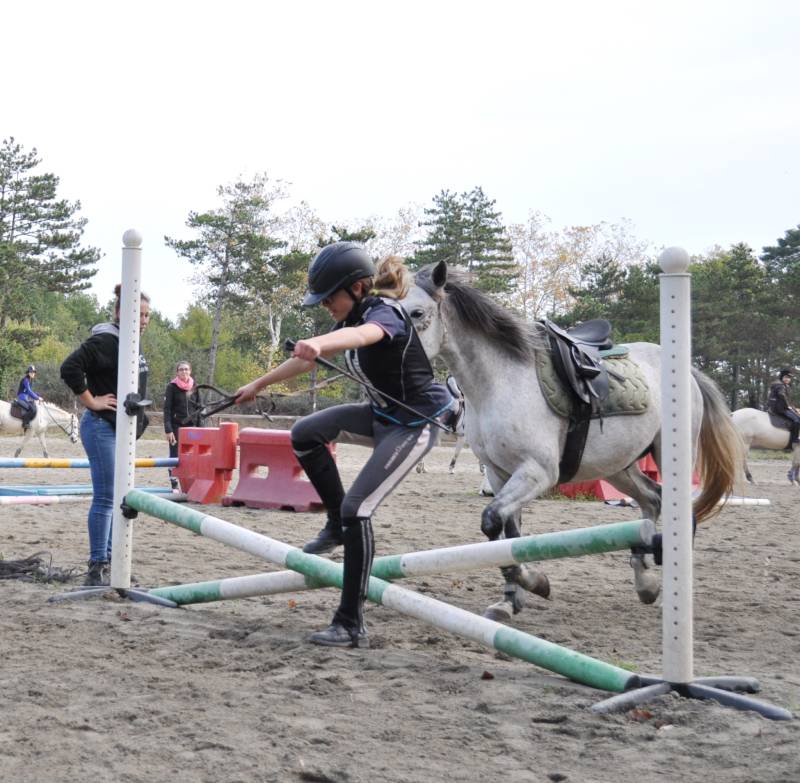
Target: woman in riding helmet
(27, 397)
(382, 348)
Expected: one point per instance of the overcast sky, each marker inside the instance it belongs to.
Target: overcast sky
(682, 117)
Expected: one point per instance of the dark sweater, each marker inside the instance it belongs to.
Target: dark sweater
(94, 364)
(176, 407)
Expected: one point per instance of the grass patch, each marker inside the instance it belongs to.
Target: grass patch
(767, 454)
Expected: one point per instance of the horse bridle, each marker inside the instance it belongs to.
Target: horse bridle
(72, 419)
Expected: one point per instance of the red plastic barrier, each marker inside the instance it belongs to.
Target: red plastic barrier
(602, 490)
(285, 484)
(206, 461)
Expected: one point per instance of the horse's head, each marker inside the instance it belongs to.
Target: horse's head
(423, 305)
(74, 428)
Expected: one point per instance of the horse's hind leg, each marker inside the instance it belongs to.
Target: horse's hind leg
(459, 445)
(647, 493)
(26, 436)
(502, 517)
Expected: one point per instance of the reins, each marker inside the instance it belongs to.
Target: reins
(69, 433)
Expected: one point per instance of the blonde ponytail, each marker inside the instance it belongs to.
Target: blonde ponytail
(392, 278)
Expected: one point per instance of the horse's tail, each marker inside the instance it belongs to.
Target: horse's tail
(720, 454)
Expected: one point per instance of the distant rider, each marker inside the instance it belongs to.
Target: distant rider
(27, 397)
(779, 402)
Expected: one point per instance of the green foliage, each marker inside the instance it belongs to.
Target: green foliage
(232, 250)
(40, 234)
(466, 230)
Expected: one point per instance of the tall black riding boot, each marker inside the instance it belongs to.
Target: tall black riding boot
(347, 629)
(323, 474)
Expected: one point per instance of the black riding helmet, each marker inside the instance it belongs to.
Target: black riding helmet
(786, 371)
(336, 266)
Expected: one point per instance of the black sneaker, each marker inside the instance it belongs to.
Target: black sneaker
(336, 635)
(97, 575)
(326, 541)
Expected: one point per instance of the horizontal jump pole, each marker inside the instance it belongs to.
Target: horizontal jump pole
(52, 500)
(467, 557)
(65, 489)
(21, 462)
(573, 665)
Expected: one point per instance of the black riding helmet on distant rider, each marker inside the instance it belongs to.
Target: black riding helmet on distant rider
(336, 266)
(784, 372)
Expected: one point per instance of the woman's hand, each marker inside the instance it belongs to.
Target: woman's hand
(245, 393)
(307, 350)
(171, 438)
(105, 402)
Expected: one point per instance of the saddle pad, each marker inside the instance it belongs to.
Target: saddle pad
(628, 397)
(781, 422)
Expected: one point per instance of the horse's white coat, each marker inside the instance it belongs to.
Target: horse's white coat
(47, 416)
(757, 431)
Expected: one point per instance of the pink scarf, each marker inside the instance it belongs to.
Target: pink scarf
(183, 385)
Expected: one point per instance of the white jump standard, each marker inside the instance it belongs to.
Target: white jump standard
(676, 445)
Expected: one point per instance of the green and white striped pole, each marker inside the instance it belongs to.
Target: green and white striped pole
(506, 552)
(573, 665)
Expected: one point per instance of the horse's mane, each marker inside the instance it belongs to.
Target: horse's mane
(477, 312)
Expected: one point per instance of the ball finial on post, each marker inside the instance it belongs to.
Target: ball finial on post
(132, 238)
(674, 260)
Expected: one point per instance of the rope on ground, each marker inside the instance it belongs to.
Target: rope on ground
(38, 567)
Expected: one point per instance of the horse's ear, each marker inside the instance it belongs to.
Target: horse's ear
(439, 274)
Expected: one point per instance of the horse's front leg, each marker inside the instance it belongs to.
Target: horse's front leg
(502, 518)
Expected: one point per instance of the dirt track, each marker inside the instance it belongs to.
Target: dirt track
(114, 691)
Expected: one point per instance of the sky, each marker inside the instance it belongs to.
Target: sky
(681, 117)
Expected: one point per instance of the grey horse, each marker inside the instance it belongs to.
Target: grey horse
(513, 431)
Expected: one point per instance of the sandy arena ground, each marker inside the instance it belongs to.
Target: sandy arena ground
(108, 690)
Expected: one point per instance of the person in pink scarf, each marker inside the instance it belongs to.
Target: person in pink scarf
(177, 408)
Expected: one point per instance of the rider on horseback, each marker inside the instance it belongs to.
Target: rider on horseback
(779, 402)
(27, 397)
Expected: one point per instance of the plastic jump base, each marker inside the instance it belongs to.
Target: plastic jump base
(285, 486)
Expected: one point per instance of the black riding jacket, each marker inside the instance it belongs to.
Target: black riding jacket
(396, 365)
(93, 366)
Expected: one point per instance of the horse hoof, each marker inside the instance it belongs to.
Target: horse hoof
(501, 612)
(647, 587)
(535, 582)
(645, 581)
(420, 468)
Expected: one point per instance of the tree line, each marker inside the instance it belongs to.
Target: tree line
(247, 256)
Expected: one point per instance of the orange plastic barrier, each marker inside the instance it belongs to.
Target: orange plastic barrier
(285, 484)
(602, 490)
(206, 461)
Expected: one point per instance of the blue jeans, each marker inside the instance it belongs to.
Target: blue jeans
(98, 438)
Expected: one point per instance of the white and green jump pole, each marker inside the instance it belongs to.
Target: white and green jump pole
(573, 665)
(505, 552)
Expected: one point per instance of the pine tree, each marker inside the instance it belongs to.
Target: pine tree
(467, 231)
(40, 250)
(40, 234)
